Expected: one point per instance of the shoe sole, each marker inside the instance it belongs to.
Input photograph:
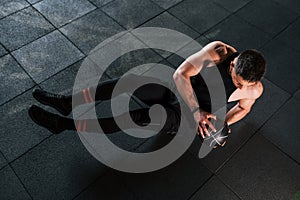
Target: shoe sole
(51, 105)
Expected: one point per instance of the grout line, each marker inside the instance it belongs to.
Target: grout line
(231, 189)
(27, 6)
(201, 185)
(20, 181)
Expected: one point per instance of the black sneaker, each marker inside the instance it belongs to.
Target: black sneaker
(46, 119)
(57, 101)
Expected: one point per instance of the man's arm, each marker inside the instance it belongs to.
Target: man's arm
(239, 111)
(210, 55)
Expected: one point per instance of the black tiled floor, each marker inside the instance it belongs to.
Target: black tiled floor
(90, 30)
(56, 52)
(238, 34)
(107, 187)
(232, 5)
(10, 186)
(201, 15)
(214, 189)
(291, 4)
(172, 182)
(261, 171)
(165, 4)
(283, 129)
(267, 15)
(60, 12)
(59, 168)
(3, 161)
(19, 135)
(270, 101)
(13, 79)
(22, 27)
(2, 51)
(10, 6)
(100, 3)
(165, 20)
(282, 66)
(130, 13)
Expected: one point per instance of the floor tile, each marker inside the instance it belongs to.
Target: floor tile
(240, 133)
(201, 16)
(232, 5)
(47, 56)
(177, 181)
(131, 13)
(34, 1)
(140, 54)
(2, 51)
(3, 161)
(10, 6)
(60, 12)
(283, 129)
(23, 27)
(214, 189)
(267, 15)
(270, 101)
(165, 20)
(188, 50)
(291, 4)
(107, 187)
(165, 4)
(100, 3)
(10, 186)
(290, 36)
(13, 79)
(282, 68)
(58, 168)
(261, 171)
(19, 135)
(238, 33)
(90, 30)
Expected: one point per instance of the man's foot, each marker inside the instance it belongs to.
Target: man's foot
(50, 121)
(57, 101)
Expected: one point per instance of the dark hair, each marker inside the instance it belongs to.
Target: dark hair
(250, 65)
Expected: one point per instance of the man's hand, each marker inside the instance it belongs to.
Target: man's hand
(202, 119)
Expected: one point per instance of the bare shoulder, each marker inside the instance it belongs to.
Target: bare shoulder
(257, 90)
(219, 50)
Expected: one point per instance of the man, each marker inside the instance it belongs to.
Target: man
(241, 74)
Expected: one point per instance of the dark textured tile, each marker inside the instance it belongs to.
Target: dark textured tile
(283, 129)
(47, 56)
(188, 50)
(10, 6)
(100, 3)
(267, 15)
(261, 171)
(214, 189)
(20, 132)
(281, 65)
(201, 15)
(33, 1)
(270, 101)
(90, 30)
(297, 95)
(58, 168)
(131, 13)
(22, 27)
(107, 187)
(2, 51)
(60, 12)
(125, 61)
(10, 186)
(290, 36)
(165, 4)
(240, 133)
(177, 181)
(232, 5)
(165, 20)
(3, 161)
(291, 4)
(238, 33)
(13, 79)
